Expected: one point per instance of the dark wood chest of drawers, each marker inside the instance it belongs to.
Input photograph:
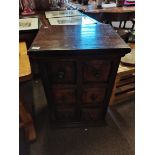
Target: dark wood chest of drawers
(78, 65)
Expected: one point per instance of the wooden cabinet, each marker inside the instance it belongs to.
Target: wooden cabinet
(78, 74)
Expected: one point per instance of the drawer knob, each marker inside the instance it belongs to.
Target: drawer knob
(96, 73)
(93, 97)
(61, 75)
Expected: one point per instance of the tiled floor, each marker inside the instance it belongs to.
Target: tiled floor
(116, 138)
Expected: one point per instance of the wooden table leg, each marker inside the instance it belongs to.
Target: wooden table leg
(27, 122)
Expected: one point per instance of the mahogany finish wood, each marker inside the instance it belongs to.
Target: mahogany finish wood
(78, 65)
(79, 39)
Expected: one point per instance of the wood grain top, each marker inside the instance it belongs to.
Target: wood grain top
(96, 37)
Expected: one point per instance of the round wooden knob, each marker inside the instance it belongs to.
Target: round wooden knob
(61, 75)
(96, 73)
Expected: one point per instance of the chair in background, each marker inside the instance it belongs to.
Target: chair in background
(122, 22)
(123, 91)
(26, 120)
(124, 87)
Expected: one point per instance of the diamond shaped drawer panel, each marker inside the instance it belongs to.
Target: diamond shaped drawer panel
(91, 114)
(93, 96)
(64, 96)
(61, 72)
(96, 71)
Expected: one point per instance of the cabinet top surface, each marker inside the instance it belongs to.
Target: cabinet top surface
(59, 38)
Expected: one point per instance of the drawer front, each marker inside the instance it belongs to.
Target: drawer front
(61, 72)
(91, 114)
(64, 97)
(96, 71)
(93, 96)
(65, 114)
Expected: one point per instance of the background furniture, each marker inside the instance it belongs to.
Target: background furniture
(121, 26)
(121, 17)
(118, 17)
(124, 87)
(26, 121)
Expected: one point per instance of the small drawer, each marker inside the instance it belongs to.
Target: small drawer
(96, 71)
(93, 96)
(65, 114)
(61, 72)
(91, 114)
(63, 97)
